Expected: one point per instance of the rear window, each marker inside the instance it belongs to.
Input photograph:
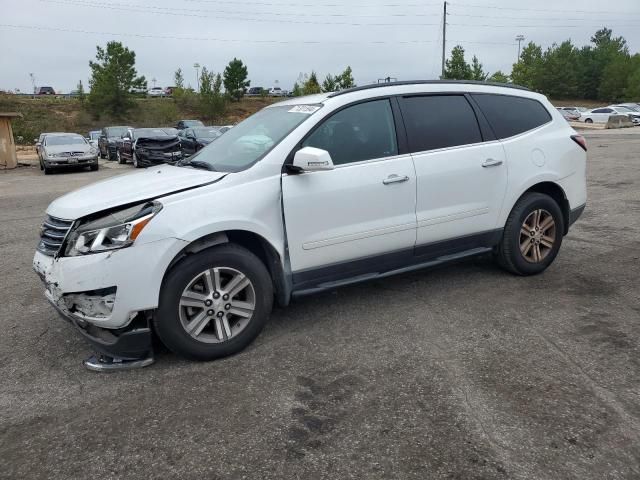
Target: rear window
(439, 121)
(510, 115)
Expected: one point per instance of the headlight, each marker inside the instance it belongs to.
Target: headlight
(111, 231)
(93, 150)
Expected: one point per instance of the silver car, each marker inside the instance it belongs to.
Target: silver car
(64, 150)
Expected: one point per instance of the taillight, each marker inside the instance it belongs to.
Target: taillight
(579, 139)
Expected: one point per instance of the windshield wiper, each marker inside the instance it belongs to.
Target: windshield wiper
(197, 164)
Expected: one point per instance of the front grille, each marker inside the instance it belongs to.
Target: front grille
(71, 154)
(52, 234)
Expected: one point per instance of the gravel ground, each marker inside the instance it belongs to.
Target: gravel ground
(459, 372)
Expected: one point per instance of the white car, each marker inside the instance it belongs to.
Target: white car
(277, 92)
(307, 195)
(156, 92)
(629, 110)
(601, 115)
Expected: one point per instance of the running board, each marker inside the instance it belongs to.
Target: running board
(378, 275)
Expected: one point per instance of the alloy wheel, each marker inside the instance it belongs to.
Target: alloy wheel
(217, 305)
(537, 236)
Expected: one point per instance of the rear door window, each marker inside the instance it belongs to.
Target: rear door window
(439, 121)
(509, 115)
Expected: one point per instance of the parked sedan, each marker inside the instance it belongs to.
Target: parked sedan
(148, 146)
(569, 115)
(194, 139)
(107, 141)
(597, 115)
(632, 113)
(63, 150)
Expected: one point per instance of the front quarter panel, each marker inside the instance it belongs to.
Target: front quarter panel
(237, 202)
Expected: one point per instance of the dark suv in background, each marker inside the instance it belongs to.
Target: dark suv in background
(182, 124)
(107, 141)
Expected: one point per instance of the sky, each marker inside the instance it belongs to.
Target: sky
(278, 39)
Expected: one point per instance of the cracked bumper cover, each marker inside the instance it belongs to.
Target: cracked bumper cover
(135, 274)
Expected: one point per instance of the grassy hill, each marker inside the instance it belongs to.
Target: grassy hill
(46, 114)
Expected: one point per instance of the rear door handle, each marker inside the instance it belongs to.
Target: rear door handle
(490, 162)
(395, 179)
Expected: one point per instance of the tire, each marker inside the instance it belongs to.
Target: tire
(515, 253)
(135, 160)
(588, 120)
(218, 331)
(121, 161)
(95, 168)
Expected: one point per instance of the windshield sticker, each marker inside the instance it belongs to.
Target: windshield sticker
(308, 109)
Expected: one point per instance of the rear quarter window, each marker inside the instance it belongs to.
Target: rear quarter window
(509, 115)
(439, 121)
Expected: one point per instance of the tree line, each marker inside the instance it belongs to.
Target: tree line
(604, 70)
(114, 81)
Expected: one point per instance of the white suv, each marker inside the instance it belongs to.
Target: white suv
(306, 195)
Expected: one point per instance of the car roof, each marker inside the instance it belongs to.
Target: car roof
(409, 88)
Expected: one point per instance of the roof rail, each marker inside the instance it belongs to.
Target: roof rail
(427, 82)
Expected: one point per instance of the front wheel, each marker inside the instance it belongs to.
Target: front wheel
(119, 157)
(214, 303)
(532, 235)
(135, 160)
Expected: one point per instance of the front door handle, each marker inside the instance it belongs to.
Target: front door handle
(490, 162)
(395, 179)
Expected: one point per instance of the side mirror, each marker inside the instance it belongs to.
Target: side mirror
(311, 159)
(38, 144)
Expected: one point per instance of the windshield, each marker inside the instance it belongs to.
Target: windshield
(192, 123)
(116, 131)
(624, 109)
(207, 132)
(250, 140)
(149, 132)
(66, 140)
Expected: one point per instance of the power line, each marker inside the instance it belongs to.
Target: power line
(243, 18)
(491, 25)
(332, 5)
(500, 7)
(228, 40)
(544, 19)
(232, 40)
(241, 12)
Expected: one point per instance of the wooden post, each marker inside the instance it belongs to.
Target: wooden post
(8, 158)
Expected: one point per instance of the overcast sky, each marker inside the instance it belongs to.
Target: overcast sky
(278, 39)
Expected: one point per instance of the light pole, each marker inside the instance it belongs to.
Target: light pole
(197, 67)
(154, 82)
(519, 39)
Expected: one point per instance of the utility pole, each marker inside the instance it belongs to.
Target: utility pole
(519, 39)
(444, 37)
(197, 67)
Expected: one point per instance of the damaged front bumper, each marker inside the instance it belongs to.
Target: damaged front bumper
(107, 296)
(129, 343)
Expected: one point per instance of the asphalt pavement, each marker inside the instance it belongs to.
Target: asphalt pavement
(462, 372)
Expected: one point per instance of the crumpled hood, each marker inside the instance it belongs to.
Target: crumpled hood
(128, 188)
(67, 148)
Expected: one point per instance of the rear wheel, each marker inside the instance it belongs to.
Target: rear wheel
(214, 303)
(532, 235)
(588, 120)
